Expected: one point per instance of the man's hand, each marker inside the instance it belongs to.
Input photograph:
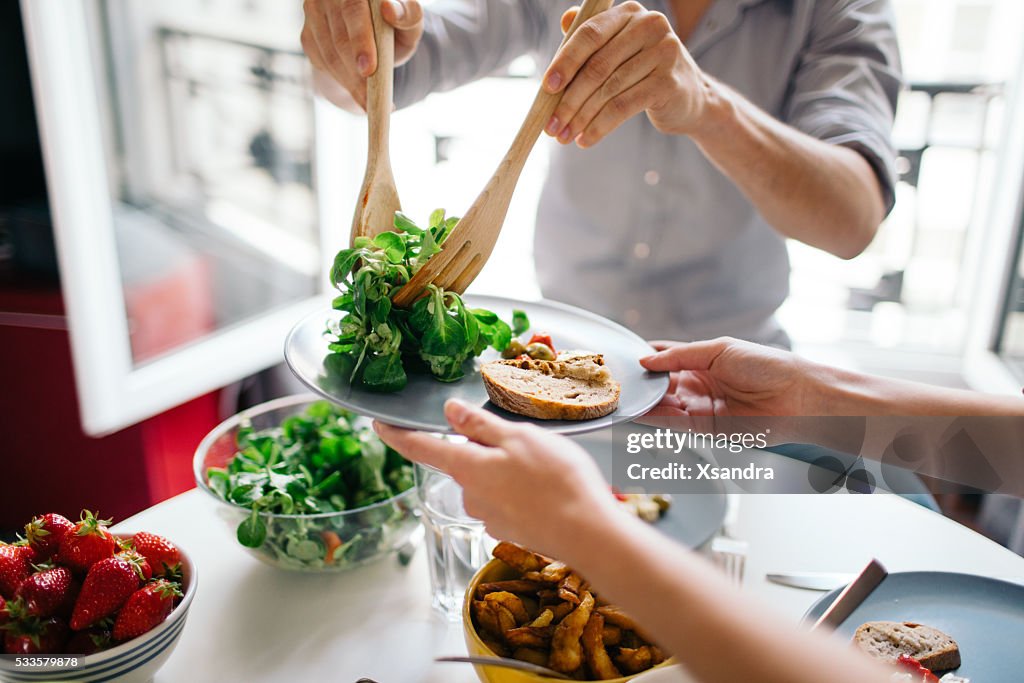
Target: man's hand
(621, 62)
(731, 377)
(338, 39)
(528, 485)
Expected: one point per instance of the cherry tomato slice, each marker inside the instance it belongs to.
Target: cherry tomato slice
(543, 338)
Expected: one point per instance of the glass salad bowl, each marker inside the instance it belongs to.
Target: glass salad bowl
(308, 486)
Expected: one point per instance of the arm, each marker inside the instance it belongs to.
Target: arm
(952, 435)
(825, 195)
(450, 44)
(692, 610)
(822, 177)
(732, 377)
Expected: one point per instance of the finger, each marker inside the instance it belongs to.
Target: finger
(354, 16)
(402, 15)
(588, 39)
(613, 68)
(692, 356)
(327, 40)
(479, 425)
(577, 118)
(425, 448)
(662, 344)
(616, 111)
(316, 37)
(310, 46)
(661, 411)
(568, 17)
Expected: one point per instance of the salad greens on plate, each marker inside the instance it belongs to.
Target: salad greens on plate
(315, 463)
(381, 342)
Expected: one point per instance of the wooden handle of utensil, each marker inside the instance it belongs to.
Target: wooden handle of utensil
(545, 103)
(380, 87)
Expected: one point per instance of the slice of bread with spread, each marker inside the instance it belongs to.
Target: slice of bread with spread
(575, 386)
(887, 640)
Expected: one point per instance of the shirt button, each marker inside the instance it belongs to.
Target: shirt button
(641, 250)
(652, 178)
(632, 316)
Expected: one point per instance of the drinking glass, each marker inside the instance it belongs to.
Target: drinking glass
(457, 545)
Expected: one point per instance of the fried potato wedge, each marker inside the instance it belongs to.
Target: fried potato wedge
(554, 572)
(610, 634)
(561, 610)
(566, 649)
(614, 615)
(543, 619)
(633, 661)
(518, 557)
(512, 603)
(486, 619)
(518, 586)
(506, 620)
(598, 661)
(530, 636)
(570, 587)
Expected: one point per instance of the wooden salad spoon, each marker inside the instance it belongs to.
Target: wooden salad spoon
(378, 197)
(471, 241)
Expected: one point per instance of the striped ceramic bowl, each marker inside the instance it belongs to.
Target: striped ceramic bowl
(135, 661)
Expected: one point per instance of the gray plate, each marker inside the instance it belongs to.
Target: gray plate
(984, 616)
(693, 517)
(420, 405)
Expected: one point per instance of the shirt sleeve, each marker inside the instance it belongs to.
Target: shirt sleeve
(847, 82)
(464, 40)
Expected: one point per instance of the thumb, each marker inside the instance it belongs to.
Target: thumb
(404, 15)
(568, 18)
(478, 425)
(693, 356)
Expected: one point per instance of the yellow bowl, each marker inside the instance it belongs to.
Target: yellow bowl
(496, 570)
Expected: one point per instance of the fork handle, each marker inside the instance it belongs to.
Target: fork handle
(380, 87)
(545, 103)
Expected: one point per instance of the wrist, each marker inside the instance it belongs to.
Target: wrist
(842, 392)
(593, 525)
(717, 111)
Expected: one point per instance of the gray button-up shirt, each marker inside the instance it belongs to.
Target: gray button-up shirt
(643, 228)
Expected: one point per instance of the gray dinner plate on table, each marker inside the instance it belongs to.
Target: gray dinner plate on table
(420, 405)
(694, 517)
(984, 616)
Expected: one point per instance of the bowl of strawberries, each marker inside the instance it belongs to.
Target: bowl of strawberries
(81, 603)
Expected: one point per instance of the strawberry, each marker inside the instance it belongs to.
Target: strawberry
(4, 617)
(107, 585)
(15, 566)
(49, 592)
(135, 558)
(86, 544)
(36, 637)
(147, 608)
(163, 556)
(45, 533)
(89, 641)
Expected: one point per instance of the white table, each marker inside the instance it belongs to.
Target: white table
(251, 622)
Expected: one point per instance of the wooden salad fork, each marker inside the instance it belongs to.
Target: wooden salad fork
(471, 241)
(378, 197)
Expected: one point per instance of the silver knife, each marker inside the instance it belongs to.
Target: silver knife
(853, 595)
(812, 581)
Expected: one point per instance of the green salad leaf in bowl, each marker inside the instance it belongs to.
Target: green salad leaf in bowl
(308, 485)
